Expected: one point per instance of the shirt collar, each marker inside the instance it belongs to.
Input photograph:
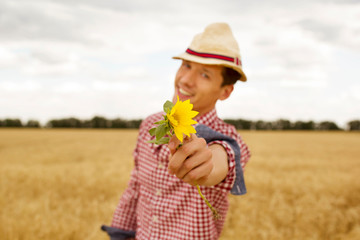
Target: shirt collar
(207, 118)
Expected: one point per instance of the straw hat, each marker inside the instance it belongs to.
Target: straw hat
(215, 46)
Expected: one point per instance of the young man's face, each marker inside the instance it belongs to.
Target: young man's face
(201, 84)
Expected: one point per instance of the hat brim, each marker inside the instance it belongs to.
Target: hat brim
(212, 61)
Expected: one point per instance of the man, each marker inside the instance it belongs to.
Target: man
(161, 201)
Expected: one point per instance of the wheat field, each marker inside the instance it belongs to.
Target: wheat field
(64, 184)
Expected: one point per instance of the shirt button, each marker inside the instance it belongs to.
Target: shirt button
(161, 166)
(155, 218)
(158, 192)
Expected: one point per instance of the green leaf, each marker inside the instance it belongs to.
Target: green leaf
(163, 140)
(160, 122)
(152, 141)
(161, 131)
(152, 131)
(168, 106)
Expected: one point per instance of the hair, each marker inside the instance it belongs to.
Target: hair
(230, 76)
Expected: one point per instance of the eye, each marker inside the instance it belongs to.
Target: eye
(186, 65)
(204, 75)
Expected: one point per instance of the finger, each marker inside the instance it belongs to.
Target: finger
(197, 175)
(201, 181)
(188, 149)
(180, 155)
(174, 142)
(190, 138)
(193, 162)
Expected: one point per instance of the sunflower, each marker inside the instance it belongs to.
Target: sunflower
(181, 118)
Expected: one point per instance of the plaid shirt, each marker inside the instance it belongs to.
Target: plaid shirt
(158, 205)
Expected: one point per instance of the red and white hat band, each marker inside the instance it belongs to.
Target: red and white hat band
(216, 56)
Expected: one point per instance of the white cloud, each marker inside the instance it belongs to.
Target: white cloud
(90, 57)
(25, 86)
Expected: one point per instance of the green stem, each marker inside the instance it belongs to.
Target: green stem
(216, 215)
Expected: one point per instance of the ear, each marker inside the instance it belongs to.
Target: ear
(226, 91)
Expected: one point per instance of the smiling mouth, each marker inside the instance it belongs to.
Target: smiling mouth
(185, 93)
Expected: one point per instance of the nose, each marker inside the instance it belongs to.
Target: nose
(188, 78)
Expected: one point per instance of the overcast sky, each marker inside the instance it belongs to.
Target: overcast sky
(113, 58)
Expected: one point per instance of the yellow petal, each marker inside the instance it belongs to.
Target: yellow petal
(178, 134)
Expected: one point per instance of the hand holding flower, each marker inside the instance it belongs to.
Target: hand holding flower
(192, 162)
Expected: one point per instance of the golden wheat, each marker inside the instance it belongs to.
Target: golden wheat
(63, 184)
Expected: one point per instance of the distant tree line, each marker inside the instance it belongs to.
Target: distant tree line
(17, 123)
(95, 122)
(283, 124)
(102, 122)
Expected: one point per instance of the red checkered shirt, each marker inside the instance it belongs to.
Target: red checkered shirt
(158, 205)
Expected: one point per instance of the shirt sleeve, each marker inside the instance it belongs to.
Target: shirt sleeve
(117, 234)
(124, 217)
(125, 213)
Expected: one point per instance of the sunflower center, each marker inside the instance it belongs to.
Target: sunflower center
(173, 121)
